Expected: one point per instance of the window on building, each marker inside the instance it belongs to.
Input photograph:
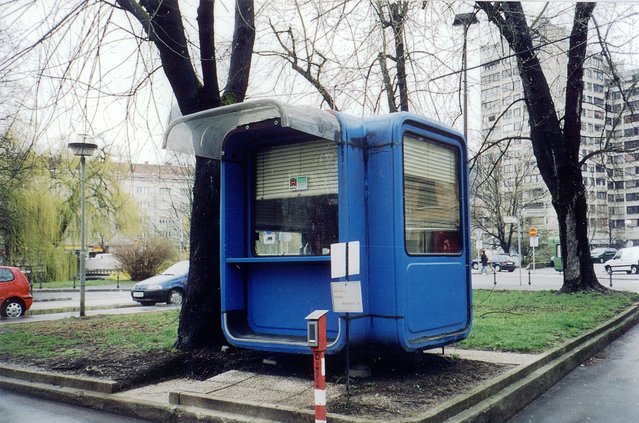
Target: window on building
(295, 199)
(491, 65)
(141, 189)
(631, 118)
(165, 191)
(432, 214)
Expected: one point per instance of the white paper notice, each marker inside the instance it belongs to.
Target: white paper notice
(353, 258)
(347, 297)
(338, 260)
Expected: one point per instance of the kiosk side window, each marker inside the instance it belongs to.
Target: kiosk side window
(295, 199)
(431, 197)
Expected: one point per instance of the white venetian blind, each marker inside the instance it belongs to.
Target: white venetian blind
(314, 162)
(429, 161)
(431, 192)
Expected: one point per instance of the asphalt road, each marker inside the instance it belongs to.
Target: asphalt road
(116, 301)
(549, 279)
(604, 389)
(19, 408)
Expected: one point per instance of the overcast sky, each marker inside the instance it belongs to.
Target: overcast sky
(108, 64)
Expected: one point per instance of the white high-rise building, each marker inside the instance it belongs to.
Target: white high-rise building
(622, 118)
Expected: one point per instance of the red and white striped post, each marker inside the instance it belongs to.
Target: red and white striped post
(316, 323)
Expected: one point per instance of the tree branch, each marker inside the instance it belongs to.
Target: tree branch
(243, 41)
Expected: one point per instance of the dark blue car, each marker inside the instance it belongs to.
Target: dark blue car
(166, 287)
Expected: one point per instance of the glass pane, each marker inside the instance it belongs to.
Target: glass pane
(431, 197)
(6, 275)
(295, 195)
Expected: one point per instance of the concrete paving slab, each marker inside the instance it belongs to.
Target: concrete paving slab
(232, 376)
(497, 357)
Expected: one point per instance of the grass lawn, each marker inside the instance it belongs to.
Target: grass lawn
(535, 321)
(502, 320)
(73, 336)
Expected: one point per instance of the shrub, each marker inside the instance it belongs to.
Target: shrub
(145, 258)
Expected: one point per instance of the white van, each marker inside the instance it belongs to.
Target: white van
(626, 260)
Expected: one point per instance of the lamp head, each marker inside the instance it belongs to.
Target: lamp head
(83, 149)
(465, 19)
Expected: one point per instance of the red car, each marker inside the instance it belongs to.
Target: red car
(15, 292)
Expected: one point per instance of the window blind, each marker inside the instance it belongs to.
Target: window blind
(313, 165)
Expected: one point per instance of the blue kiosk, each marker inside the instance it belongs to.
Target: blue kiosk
(296, 180)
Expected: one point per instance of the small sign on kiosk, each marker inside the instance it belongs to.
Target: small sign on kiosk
(347, 297)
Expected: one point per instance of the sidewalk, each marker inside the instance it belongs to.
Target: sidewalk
(602, 389)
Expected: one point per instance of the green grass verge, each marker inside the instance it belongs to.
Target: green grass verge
(503, 320)
(535, 321)
(99, 334)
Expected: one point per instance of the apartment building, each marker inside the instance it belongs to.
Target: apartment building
(622, 121)
(163, 194)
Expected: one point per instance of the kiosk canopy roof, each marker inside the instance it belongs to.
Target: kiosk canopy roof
(203, 133)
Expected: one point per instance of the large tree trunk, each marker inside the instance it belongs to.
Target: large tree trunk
(556, 149)
(200, 315)
(200, 318)
(579, 274)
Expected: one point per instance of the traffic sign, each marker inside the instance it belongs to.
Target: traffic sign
(532, 231)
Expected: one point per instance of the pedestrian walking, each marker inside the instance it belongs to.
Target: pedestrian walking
(484, 263)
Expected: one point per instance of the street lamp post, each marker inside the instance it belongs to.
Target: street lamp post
(83, 150)
(517, 220)
(465, 20)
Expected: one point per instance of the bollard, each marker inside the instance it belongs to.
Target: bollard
(494, 277)
(610, 275)
(316, 336)
(529, 278)
(74, 282)
(118, 284)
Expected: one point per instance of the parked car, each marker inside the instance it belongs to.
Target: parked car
(600, 255)
(626, 260)
(168, 287)
(503, 262)
(499, 262)
(15, 292)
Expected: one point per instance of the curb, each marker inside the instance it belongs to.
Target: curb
(145, 410)
(78, 382)
(36, 312)
(495, 401)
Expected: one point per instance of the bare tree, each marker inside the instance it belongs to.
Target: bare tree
(163, 24)
(367, 56)
(495, 198)
(555, 146)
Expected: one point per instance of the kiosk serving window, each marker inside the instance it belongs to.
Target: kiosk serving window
(431, 197)
(295, 199)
